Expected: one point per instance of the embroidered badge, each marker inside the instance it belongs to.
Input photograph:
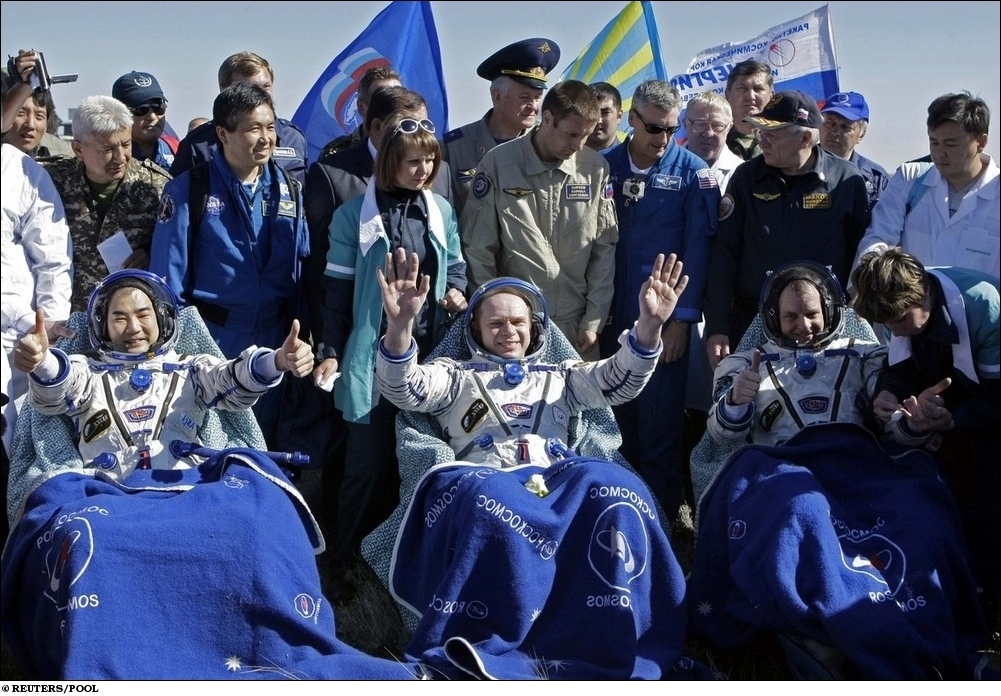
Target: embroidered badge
(517, 192)
(522, 411)
(140, 414)
(481, 185)
(288, 152)
(286, 208)
(814, 404)
(578, 192)
(96, 425)
(609, 190)
(767, 196)
(473, 415)
(214, 206)
(167, 208)
(817, 201)
(725, 207)
(770, 414)
(707, 180)
(465, 174)
(668, 182)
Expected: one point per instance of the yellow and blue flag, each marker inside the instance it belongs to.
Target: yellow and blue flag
(402, 36)
(625, 53)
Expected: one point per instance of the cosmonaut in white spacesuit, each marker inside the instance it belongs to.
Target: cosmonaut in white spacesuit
(808, 371)
(134, 395)
(503, 407)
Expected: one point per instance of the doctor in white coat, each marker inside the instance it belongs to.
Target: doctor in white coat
(947, 212)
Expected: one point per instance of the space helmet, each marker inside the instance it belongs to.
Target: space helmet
(540, 317)
(164, 304)
(832, 302)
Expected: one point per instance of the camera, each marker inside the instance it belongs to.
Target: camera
(633, 189)
(40, 79)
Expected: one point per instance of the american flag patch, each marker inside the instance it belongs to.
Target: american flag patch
(609, 189)
(707, 180)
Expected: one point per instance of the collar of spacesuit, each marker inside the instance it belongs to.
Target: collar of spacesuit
(159, 363)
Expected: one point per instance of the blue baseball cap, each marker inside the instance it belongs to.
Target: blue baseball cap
(136, 88)
(850, 105)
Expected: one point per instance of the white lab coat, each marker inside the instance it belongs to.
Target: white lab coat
(970, 239)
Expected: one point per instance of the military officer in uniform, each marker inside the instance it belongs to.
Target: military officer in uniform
(517, 75)
(541, 209)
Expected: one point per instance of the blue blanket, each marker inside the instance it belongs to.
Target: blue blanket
(828, 538)
(580, 583)
(206, 573)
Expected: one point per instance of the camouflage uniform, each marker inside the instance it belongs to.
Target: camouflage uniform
(132, 210)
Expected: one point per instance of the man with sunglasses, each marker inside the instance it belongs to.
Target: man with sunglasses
(151, 140)
(794, 202)
(666, 202)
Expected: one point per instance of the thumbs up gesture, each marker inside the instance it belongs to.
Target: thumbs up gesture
(295, 355)
(747, 383)
(31, 349)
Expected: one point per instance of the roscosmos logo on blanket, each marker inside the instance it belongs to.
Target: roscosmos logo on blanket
(620, 546)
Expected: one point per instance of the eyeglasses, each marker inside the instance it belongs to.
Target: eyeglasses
(653, 129)
(701, 126)
(158, 107)
(768, 136)
(410, 125)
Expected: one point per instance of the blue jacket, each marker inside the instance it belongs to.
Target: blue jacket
(201, 144)
(677, 213)
(242, 268)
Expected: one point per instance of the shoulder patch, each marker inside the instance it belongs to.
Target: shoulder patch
(453, 135)
(167, 208)
(726, 207)
(707, 180)
(481, 185)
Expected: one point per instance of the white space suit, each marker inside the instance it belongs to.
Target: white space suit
(507, 414)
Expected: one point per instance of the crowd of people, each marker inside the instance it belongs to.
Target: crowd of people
(357, 265)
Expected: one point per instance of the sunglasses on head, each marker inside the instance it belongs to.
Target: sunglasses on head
(159, 108)
(410, 125)
(653, 129)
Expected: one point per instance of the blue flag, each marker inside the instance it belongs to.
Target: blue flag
(402, 36)
(625, 53)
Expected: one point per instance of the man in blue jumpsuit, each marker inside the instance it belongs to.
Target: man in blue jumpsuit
(241, 262)
(202, 143)
(666, 200)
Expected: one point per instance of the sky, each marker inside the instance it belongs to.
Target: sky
(899, 55)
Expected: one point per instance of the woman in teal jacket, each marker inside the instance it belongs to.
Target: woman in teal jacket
(397, 210)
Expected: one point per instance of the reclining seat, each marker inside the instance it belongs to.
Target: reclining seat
(420, 444)
(44, 444)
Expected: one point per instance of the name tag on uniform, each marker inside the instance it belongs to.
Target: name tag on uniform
(285, 152)
(578, 192)
(286, 208)
(816, 201)
(668, 182)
